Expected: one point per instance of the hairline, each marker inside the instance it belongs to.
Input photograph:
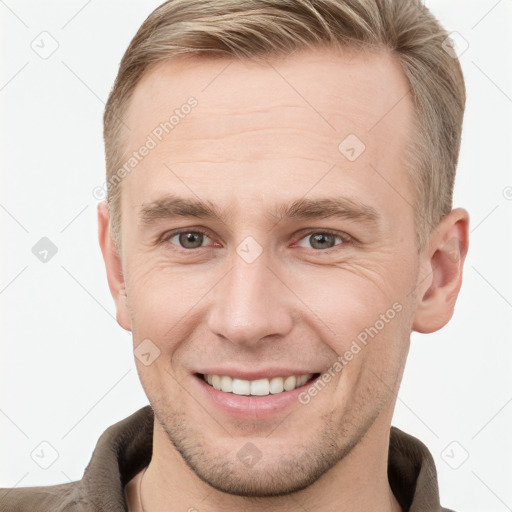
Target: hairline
(415, 144)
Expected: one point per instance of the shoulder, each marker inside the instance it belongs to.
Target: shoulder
(412, 473)
(57, 498)
(121, 451)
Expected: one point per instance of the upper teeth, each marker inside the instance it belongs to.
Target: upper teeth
(258, 387)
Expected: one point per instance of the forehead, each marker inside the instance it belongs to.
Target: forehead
(259, 128)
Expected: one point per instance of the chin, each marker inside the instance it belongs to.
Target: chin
(236, 466)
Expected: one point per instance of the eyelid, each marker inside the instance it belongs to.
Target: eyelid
(343, 236)
(166, 237)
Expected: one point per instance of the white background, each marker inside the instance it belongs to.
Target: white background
(66, 367)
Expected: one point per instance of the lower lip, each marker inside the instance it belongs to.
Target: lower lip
(252, 407)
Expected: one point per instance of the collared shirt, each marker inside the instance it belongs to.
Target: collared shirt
(125, 448)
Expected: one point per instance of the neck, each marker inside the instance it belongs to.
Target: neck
(356, 483)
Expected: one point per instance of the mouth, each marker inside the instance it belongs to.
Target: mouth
(258, 387)
(257, 397)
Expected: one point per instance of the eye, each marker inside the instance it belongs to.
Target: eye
(187, 239)
(195, 238)
(324, 240)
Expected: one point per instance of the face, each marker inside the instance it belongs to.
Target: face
(269, 233)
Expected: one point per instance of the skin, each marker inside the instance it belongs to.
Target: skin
(263, 135)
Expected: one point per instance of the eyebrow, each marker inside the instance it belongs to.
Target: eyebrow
(171, 206)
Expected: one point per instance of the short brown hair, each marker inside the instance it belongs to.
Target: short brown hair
(254, 29)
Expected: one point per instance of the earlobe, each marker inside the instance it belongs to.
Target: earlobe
(113, 266)
(443, 262)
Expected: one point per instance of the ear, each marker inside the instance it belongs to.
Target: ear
(113, 264)
(440, 277)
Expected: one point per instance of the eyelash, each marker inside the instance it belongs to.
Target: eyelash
(344, 237)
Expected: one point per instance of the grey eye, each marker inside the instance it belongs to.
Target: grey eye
(321, 240)
(190, 239)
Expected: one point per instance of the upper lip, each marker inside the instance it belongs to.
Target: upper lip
(256, 374)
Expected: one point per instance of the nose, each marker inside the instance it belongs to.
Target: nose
(251, 304)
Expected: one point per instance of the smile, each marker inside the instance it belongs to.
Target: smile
(259, 387)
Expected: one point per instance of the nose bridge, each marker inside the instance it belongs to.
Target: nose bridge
(250, 303)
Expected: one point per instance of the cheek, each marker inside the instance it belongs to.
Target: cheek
(363, 312)
(351, 297)
(162, 300)
(342, 302)
(161, 295)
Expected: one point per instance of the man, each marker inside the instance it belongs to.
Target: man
(279, 221)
